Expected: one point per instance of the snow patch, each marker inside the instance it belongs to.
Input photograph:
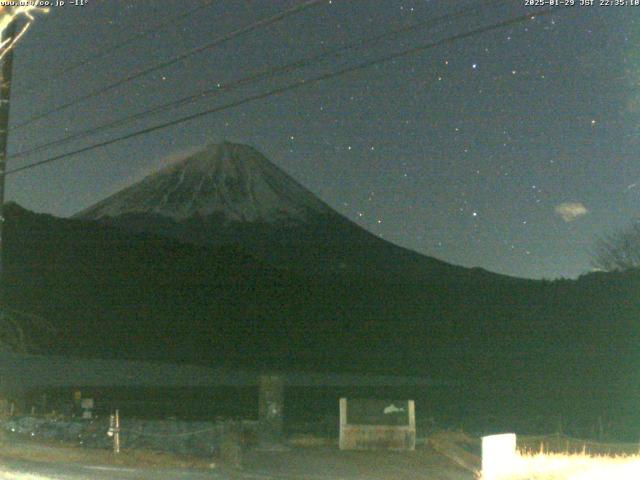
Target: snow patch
(231, 180)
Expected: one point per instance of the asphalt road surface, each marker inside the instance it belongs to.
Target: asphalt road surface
(291, 464)
(28, 470)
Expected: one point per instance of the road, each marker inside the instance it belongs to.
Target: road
(11, 469)
(287, 464)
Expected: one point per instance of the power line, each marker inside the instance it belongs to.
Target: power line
(294, 86)
(167, 20)
(244, 30)
(265, 73)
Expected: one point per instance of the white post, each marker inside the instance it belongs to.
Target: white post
(343, 423)
(498, 455)
(116, 432)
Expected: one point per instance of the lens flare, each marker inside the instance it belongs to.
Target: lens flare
(7, 16)
(549, 466)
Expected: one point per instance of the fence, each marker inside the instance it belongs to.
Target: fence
(183, 437)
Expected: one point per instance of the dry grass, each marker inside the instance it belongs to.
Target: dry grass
(562, 466)
(311, 441)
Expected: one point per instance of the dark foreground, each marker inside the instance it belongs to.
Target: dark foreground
(313, 463)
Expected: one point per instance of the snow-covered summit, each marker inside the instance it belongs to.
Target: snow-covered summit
(231, 180)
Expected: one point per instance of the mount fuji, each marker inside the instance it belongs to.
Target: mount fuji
(232, 182)
(230, 194)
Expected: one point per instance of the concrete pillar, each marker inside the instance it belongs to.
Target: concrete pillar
(271, 407)
(499, 455)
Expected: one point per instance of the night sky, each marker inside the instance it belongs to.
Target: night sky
(512, 150)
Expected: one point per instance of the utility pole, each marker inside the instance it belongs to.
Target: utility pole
(6, 69)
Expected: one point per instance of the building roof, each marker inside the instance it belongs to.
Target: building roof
(43, 371)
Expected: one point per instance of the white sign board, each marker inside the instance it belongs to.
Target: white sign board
(498, 455)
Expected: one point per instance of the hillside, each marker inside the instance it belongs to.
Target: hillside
(231, 194)
(539, 346)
